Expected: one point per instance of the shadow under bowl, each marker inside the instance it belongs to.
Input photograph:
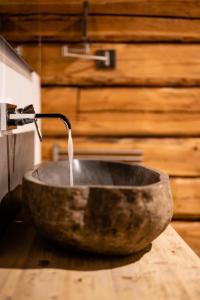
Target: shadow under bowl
(113, 208)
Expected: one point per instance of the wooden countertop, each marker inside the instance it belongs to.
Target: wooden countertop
(33, 269)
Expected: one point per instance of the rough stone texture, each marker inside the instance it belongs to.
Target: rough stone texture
(112, 209)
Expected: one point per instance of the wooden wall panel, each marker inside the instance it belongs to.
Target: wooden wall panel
(89, 100)
(139, 100)
(100, 111)
(16, 157)
(124, 28)
(20, 145)
(4, 167)
(129, 124)
(137, 64)
(60, 100)
(177, 157)
(176, 8)
(186, 195)
(189, 231)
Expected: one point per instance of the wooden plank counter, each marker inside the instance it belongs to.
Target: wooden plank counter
(33, 269)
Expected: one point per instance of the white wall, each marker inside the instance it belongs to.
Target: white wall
(21, 90)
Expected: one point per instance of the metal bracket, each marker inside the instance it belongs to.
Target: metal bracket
(109, 62)
(105, 59)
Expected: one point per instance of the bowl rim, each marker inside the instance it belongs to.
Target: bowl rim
(28, 176)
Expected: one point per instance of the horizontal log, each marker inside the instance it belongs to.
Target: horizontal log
(190, 232)
(78, 100)
(129, 124)
(183, 8)
(124, 28)
(137, 64)
(186, 195)
(139, 99)
(177, 157)
(120, 111)
(60, 100)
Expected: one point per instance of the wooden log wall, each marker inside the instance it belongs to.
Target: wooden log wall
(151, 101)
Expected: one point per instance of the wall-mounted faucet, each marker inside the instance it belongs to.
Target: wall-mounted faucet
(11, 117)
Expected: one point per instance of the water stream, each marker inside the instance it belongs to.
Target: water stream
(70, 156)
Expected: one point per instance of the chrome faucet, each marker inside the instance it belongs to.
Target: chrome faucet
(11, 117)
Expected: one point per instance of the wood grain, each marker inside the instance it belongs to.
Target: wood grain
(129, 124)
(124, 111)
(124, 28)
(4, 188)
(177, 157)
(137, 64)
(186, 195)
(14, 163)
(20, 145)
(139, 99)
(68, 100)
(60, 100)
(190, 232)
(134, 7)
(171, 266)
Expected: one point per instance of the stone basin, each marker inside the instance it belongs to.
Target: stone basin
(113, 208)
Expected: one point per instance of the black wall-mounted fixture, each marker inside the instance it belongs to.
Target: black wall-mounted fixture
(110, 63)
(104, 59)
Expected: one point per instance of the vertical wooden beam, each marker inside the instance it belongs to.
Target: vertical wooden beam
(14, 162)
(3, 168)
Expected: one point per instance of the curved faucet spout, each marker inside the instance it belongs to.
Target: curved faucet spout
(54, 116)
(22, 116)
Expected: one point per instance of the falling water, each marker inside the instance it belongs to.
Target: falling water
(70, 156)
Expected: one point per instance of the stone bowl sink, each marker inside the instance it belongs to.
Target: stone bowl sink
(113, 208)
